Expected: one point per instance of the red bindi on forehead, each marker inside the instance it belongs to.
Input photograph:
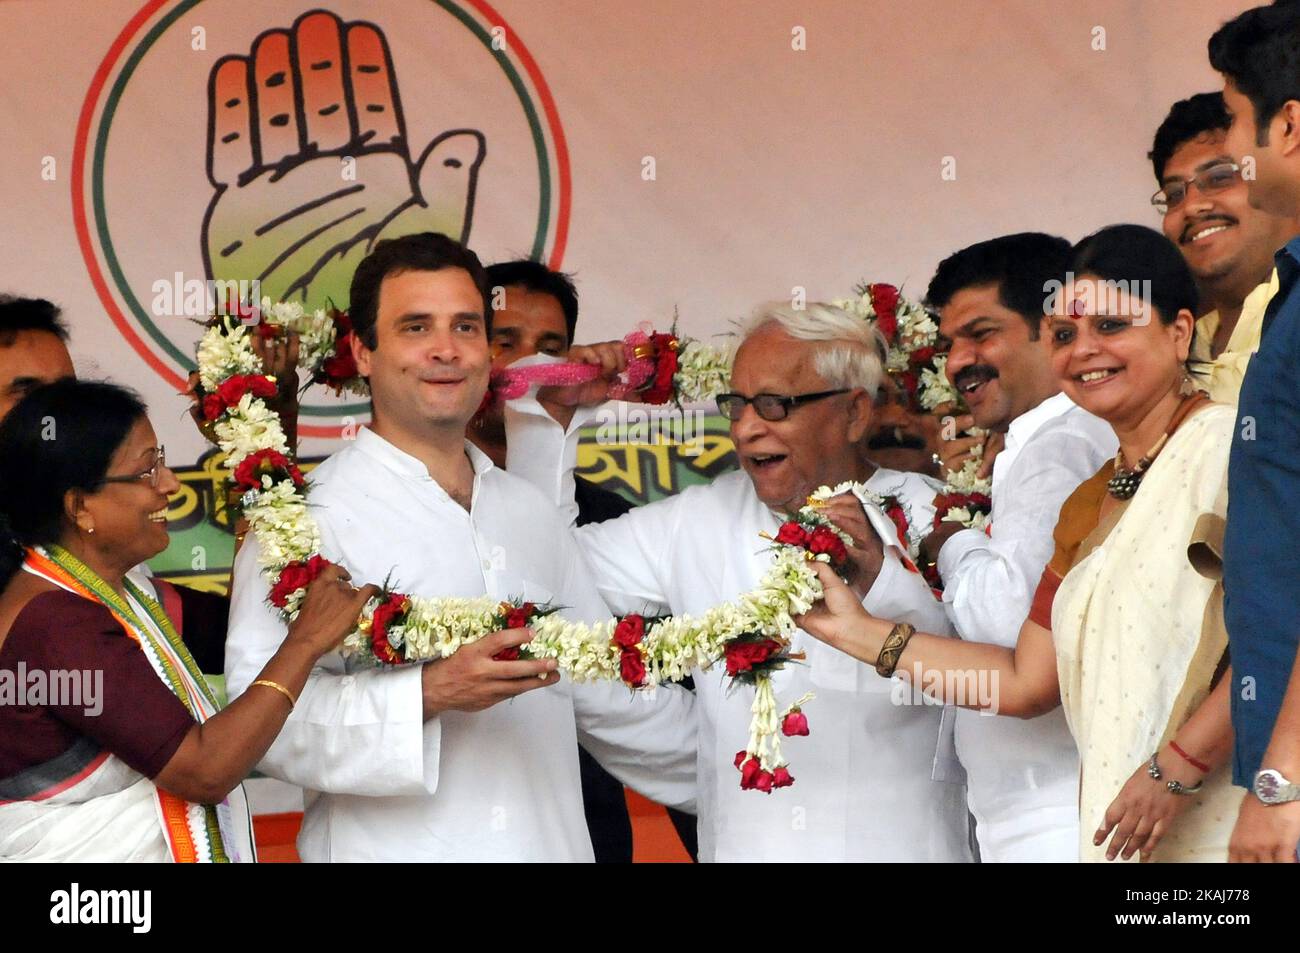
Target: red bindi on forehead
(1077, 309)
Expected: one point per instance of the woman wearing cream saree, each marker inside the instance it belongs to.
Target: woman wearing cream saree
(1125, 632)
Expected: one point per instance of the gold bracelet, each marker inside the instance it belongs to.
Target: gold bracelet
(895, 642)
(279, 688)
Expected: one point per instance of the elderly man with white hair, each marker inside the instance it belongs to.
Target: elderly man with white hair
(803, 386)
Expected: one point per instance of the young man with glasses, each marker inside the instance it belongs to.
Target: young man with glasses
(1227, 244)
(804, 384)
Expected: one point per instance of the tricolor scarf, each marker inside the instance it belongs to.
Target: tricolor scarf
(194, 832)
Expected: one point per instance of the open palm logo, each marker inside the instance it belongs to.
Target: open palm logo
(306, 157)
(309, 158)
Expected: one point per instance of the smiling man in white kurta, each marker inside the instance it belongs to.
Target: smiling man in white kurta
(468, 758)
(865, 787)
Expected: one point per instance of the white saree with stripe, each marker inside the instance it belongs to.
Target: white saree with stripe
(1139, 637)
(88, 804)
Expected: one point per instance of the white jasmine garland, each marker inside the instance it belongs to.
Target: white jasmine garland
(703, 372)
(432, 628)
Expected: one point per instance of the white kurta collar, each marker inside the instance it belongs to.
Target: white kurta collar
(403, 464)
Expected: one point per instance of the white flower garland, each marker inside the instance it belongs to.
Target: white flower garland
(424, 628)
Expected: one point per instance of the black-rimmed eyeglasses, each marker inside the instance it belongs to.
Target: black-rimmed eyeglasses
(769, 406)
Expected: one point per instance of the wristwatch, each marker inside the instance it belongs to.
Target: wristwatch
(1272, 788)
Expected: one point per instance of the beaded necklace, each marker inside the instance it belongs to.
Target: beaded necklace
(1124, 484)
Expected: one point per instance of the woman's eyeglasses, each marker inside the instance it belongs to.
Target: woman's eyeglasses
(153, 475)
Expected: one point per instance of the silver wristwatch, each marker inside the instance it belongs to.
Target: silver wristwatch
(1272, 788)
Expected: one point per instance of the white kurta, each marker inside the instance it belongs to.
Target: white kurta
(1023, 774)
(863, 788)
(501, 784)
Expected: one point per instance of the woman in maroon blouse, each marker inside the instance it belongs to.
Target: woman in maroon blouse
(111, 747)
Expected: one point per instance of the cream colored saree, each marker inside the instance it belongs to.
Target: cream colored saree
(1139, 635)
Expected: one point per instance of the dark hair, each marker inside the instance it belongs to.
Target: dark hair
(1021, 265)
(60, 437)
(1135, 253)
(29, 314)
(1260, 52)
(1187, 119)
(533, 275)
(426, 251)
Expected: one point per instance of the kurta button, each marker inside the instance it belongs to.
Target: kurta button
(487, 564)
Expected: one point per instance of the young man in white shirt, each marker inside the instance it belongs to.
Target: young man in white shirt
(804, 384)
(422, 761)
(1022, 775)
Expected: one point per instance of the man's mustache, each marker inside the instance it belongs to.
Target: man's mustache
(888, 438)
(1201, 223)
(974, 374)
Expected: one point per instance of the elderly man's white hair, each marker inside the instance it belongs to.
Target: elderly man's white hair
(853, 354)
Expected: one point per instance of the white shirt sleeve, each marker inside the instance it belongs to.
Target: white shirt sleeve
(361, 733)
(904, 596)
(645, 739)
(989, 581)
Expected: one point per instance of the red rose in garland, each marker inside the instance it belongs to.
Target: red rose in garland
(390, 610)
(763, 782)
(741, 755)
(884, 297)
(743, 656)
(661, 390)
(781, 778)
(884, 301)
(826, 540)
(513, 617)
(339, 367)
(248, 475)
(632, 667)
(517, 618)
(629, 631)
(922, 357)
(911, 383)
(234, 388)
(792, 534)
(749, 771)
(887, 325)
(295, 576)
(795, 723)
